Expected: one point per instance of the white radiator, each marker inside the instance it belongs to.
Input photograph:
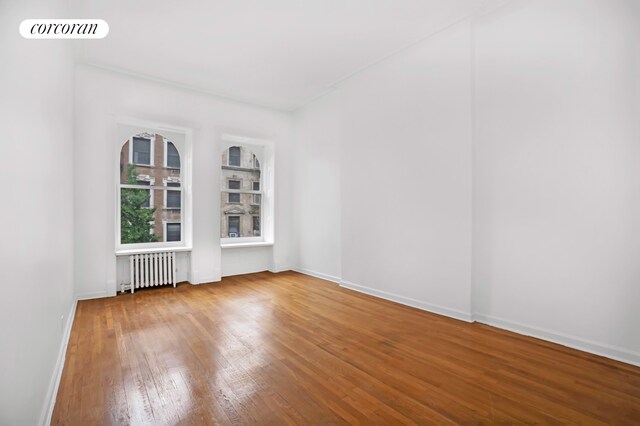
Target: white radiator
(152, 269)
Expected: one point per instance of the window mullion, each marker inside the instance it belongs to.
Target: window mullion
(240, 191)
(158, 187)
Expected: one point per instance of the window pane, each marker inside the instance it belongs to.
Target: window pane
(141, 151)
(234, 156)
(174, 232)
(145, 211)
(173, 158)
(136, 156)
(173, 199)
(238, 208)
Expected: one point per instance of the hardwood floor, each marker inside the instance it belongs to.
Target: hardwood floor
(291, 349)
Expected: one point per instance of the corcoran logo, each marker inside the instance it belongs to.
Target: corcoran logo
(64, 28)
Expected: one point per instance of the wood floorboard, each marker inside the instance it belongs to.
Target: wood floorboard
(292, 349)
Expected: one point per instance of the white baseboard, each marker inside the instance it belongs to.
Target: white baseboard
(205, 280)
(233, 274)
(429, 307)
(92, 295)
(280, 268)
(585, 345)
(315, 274)
(54, 384)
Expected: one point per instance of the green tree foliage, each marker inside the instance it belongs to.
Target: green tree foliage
(134, 217)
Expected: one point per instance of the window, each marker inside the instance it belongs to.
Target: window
(234, 226)
(173, 232)
(256, 197)
(173, 197)
(148, 202)
(142, 222)
(246, 193)
(234, 156)
(234, 197)
(141, 153)
(173, 158)
(256, 226)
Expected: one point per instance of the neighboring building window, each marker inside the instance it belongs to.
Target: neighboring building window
(141, 151)
(234, 227)
(173, 158)
(148, 202)
(174, 232)
(142, 221)
(173, 197)
(256, 197)
(234, 156)
(256, 226)
(234, 197)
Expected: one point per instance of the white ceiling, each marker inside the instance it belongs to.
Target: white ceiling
(277, 53)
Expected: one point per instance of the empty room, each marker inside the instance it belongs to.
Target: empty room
(294, 212)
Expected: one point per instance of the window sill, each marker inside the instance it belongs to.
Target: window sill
(126, 252)
(251, 244)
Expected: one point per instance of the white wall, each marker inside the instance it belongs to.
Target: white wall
(245, 260)
(557, 172)
(406, 175)
(101, 96)
(404, 182)
(36, 253)
(316, 188)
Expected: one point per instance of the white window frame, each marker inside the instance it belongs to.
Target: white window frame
(183, 140)
(152, 143)
(264, 150)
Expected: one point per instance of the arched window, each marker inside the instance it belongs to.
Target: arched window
(150, 192)
(246, 194)
(172, 157)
